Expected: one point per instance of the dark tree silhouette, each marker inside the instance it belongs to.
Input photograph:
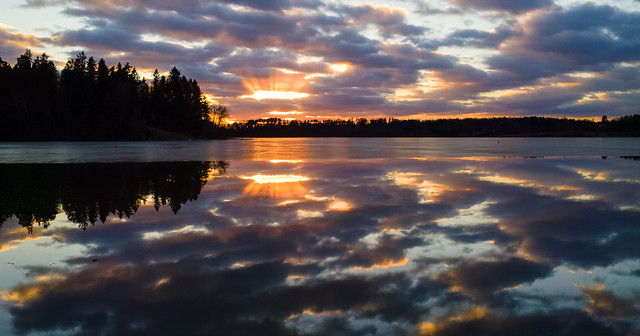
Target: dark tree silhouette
(91, 192)
(92, 101)
(179, 103)
(218, 113)
(29, 98)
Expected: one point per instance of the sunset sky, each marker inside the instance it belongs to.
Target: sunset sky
(309, 59)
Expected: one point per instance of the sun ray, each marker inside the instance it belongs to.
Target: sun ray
(283, 86)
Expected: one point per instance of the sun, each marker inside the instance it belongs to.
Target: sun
(282, 86)
(263, 94)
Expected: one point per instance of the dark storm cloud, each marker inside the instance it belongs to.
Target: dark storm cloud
(513, 6)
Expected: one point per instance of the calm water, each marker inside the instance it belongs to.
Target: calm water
(321, 237)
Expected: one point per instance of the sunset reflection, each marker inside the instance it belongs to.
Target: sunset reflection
(309, 247)
(285, 161)
(261, 179)
(276, 186)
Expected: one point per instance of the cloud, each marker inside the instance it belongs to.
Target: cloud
(556, 323)
(14, 43)
(558, 61)
(275, 5)
(480, 39)
(484, 278)
(604, 302)
(581, 38)
(513, 6)
(571, 231)
(389, 21)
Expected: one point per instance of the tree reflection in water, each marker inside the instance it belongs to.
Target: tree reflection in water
(89, 192)
(468, 246)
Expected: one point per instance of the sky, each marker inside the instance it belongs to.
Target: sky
(319, 59)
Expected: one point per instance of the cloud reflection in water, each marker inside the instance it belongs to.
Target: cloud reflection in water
(364, 247)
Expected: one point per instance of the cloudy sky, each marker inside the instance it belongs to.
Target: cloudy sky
(311, 59)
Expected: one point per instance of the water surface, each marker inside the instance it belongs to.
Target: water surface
(305, 237)
(312, 148)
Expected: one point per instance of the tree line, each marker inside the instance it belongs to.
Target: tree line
(468, 127)
(89, 100)
(34, 194)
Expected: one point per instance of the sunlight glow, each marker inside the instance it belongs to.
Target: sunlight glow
(340, 67)
(308, 214)
(276, 186)
(241, 264)
(285, 112)
(20, 296)
(259, 178)
(21, 236)
(312, 312)
(431, 328)
(278, 85)
(162, 281)
(49, 277)
(387, 263)
(261, 94)
(339, 205)
(185, 230)
(593, 175)
(428, 190)
(285, 161)
(289, 202)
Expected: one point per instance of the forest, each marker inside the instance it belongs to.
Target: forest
(89, 100)
(469, 127)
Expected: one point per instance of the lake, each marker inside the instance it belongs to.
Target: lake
(311, 236)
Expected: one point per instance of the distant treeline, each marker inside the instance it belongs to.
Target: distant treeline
(471, 127)
(90, 100)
